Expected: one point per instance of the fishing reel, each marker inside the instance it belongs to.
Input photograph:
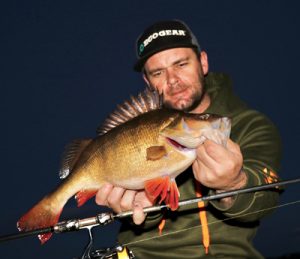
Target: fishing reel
(118, 252)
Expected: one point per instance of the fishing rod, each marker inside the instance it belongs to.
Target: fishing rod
(108, 217)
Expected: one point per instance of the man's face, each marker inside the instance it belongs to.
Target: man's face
(179, 75)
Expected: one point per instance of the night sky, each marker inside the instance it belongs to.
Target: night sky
(65, 65)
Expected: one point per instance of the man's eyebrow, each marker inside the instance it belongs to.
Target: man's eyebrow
(176, 62)
(181, 60)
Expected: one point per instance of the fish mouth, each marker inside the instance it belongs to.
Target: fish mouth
(177, 145)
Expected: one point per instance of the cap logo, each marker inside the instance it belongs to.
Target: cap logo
(161, 33)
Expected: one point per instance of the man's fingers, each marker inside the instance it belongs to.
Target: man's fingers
(233, 147)
(204, 156)
(219, 153)
(127, 200)
(119, 200)
(202, 172)
(138, 214)
(142, 198)
(103, 193)
(214, 150)
(114, 199)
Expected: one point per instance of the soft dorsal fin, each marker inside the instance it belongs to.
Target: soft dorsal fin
(145, 101)
(71, 155)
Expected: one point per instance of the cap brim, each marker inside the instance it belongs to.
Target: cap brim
(138, 67)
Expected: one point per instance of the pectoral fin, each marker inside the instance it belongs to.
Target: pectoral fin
(156, 152)
(166, 188)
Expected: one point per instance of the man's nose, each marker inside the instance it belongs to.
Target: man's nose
(171, 77)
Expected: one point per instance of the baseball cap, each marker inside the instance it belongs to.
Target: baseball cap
(161, 36)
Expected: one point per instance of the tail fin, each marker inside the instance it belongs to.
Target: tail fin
(42, 215)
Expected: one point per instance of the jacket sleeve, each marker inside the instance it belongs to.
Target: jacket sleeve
(261, 148)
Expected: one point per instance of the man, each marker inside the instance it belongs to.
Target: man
(172, 62)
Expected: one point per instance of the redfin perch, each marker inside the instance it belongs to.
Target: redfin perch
(140, 146)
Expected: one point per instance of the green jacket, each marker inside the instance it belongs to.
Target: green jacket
(231, 229)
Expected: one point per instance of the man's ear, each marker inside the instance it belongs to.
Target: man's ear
(204, 62)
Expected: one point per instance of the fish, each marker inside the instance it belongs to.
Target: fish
(141, 145)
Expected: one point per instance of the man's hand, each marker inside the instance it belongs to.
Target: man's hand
(219, 167)
(119, 200)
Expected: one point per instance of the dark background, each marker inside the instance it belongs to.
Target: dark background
(66, 64)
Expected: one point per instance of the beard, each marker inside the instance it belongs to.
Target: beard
(194, 100)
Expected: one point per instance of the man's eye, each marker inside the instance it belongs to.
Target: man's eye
(157, 73)
(182, 64)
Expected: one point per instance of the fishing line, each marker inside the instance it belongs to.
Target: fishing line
(211, 223)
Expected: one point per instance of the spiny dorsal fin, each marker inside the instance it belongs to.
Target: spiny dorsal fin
(71, 155)
(146, 101)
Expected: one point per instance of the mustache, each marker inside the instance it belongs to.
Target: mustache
(173, 90)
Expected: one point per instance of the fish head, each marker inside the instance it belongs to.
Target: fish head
(190, 130)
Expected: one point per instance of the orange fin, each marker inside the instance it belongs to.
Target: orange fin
(164, 187)
(45, 237)
(173, 197)
(156, 152)
(84, 195)
(40, 216)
